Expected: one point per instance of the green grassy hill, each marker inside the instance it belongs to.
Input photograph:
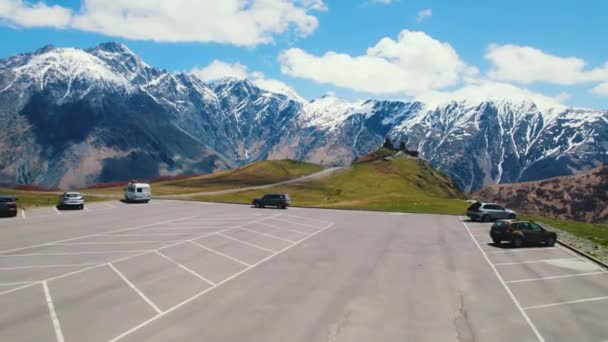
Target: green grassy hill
(377, 182)
(258, 173)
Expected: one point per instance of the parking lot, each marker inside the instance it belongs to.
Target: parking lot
(173, 270)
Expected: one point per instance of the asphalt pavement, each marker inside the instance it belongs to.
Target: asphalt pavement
(191, 271)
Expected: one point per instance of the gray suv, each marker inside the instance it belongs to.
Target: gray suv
(487, 212)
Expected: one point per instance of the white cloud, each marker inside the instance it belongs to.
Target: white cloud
(601, 89)
(425, 13)
(20, 13)
(526, 65)
(217, 70)
(237, 22)
(484, 90)
(412, 64)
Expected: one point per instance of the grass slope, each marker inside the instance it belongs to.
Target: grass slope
(258, 173)
(397, 183)
(595, 232)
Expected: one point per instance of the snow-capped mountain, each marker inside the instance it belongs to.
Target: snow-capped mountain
(71, 117)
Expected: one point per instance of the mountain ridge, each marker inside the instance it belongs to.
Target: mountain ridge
(80, 116)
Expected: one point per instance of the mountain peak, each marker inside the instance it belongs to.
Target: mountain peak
(115, 47)
(45, 49)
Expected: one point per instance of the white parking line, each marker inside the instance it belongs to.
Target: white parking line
(152, 234)
(282, 228)
(109, 205)
(582, 258)
(247, 243)
(57, 210)
(134, 288)
(86, 208)
(109, 243)
(268, 235)
(519, 250)
(186, 269)
(531, 262)
(93, 235)
(185, 302)
(54, 318)
(554, 277)
(43, 266)
(220, 253)
(19, 288)
(506, 287)
(23, 213)
(298, 223)
(74, 253)
(311, 219)
(17, 283)
(595, 299)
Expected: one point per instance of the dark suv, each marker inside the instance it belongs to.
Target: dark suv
(272, 200)
(519, 233)
(8, 205)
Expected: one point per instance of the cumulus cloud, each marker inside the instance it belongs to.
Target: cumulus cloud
(425, 13)
(526, 65)
(238, 22)
(483, 90)
(601, 89)
(217, 70)
(20, 13)
(412, 64)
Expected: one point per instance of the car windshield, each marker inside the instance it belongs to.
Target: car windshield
(474, 206)
(72, 195)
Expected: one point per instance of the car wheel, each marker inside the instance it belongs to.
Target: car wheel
(496, 241)
(550, 241)
(518, 242)
(485, 218)
(81, 206)
(257, 205)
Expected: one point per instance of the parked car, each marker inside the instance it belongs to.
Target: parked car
(138, 192)
(272, 200)
(8, 205)
(71, 200)
(487, 212)
(519, 233)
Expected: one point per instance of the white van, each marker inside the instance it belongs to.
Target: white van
(138, 192)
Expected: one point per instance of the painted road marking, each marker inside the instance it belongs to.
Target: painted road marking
(531, 262)
(220, 253)
(283, 228)
(92, 235)
(554, 277)
(134, 288)
(186, 269)
(54, 318)
(43, 266)
(143, 324)
(586, 300)
(23, 213)
(109, 205)
(57, 210)
(267, 235)
(247, 243)
(506, 287)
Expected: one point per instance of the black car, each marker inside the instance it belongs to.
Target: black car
(272, 200)
(519, 232)
(8, 205)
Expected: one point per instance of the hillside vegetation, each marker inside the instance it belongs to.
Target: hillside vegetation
(379, 182)
(258, 173)
(581, 197)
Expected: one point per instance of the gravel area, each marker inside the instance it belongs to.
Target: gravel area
(584, 245)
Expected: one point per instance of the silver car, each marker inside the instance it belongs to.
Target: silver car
(71, 200)
(487, 212)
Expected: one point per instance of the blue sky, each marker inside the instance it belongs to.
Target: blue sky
(548, 51)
